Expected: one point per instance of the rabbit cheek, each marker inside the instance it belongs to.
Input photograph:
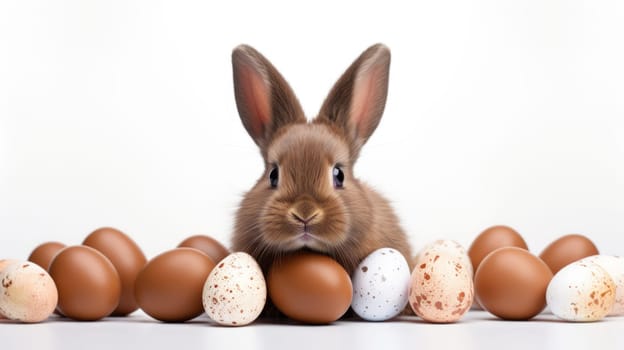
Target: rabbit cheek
(275, 227)
(332, 229)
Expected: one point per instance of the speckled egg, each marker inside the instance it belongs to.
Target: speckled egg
(453, 248)
(614, 265)
(6, 262)
(235, 291)
(441, 288)
(27, 292)
(380, 285)
(581, 292)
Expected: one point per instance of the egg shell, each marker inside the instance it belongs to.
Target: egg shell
(614, 265)
(210, 246)
(492, 238)
(235, 291)
(441, 288)
(581, 292)
(88, 284)
(310, 288)
(566, 250)
(170, 286)
(6, 262)
(380, 285)
(511, 283)
(127, 258)
(43, 254)
(453, 248)
(27, 292)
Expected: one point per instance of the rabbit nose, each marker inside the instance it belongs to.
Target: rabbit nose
(305, 212)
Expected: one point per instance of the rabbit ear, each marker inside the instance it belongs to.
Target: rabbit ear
(264, 100)
(357, 100)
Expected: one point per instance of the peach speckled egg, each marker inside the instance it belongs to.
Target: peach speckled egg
(6, 262)
(441, 285)
(455, 249)
(614, 265)
(27, 292)
(581, 292)
(235, 291)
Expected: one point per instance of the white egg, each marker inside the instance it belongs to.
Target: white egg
(235, 291)
(27, 292)
(614, 265)
(380, 285)
(581, 291)
(441, 288)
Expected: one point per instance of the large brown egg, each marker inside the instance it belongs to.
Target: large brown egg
(491, 239)
(567, 250)
(511, 283)
(127, 258)
(215, 250)
(43, 254)
(88, 284)
(170, 286)
(310, 288)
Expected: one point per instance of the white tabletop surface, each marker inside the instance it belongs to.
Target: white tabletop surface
(477, 330)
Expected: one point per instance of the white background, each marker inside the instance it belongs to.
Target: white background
(121, 113)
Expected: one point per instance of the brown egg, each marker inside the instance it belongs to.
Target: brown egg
(310, 288)
(215, 250)
(127, 258)
(511, 283)
(43, 254)
(491, 239)
(88, 285)
(567, 250)
(170, 286)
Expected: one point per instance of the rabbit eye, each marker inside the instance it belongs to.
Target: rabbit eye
(274, 177)
(338, 177)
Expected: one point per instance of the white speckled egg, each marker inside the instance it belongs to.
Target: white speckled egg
(380, 285)
(614, 265)
(235, 291)
(27, 292)
(441, 288)
(581, 292)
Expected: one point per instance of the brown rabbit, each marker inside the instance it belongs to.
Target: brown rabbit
(308, 197)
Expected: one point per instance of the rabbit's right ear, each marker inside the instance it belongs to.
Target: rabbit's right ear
(356, 102)
(264, 99)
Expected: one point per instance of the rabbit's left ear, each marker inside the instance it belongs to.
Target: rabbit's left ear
(357, 100)
(264, 99)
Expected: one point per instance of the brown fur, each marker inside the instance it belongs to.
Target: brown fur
(347, 223)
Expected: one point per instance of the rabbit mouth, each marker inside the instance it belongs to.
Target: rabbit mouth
(306, 236)
(305, 239)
